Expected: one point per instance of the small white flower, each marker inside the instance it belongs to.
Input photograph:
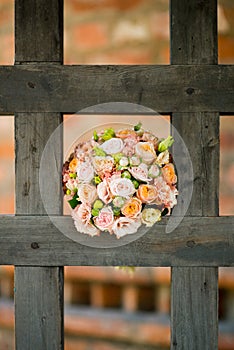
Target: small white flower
(123, 161)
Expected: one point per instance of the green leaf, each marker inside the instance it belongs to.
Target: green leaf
(108, 134)
(138, 126)
(74, 201)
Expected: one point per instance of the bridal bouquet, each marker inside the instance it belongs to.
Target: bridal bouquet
(120, 180)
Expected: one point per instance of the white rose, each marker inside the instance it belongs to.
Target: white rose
(85, 171)
(146, 151)
(125, 226)
(122, 187)
(154, 171)
(112, 146)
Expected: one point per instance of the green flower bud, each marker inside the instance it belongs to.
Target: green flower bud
(165, 144)
(126, 174)
(108, 134)
(118, 201)
(68, 192)
(117, 157)
(116, 211)
(99, 152)
(95, 212)
(95, 135)
(97, 180)
(98, 204)
(73, 175)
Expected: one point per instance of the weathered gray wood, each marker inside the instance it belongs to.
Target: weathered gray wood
(39, 290)
(194, 311)
(197, 241)
(32, 131)
(192, 297)
(39, 31)
(41, 296)
(69, 89)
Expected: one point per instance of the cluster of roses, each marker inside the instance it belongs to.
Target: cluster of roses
(119, 180)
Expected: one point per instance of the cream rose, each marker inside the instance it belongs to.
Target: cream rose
(88, 229)
(149, 216)
(87, 193)
(82, 213)
(140, 172)
(122, 187)
(112, 146)
(146, 151)
(125, 226)
(103, 164)
(163, 158)
(105, 219)
(104, 193)
(85, 171)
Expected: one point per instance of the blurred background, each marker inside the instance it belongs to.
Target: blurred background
(107, 309)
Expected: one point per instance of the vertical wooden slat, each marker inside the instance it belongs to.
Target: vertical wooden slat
(38, 291)
(194, 291)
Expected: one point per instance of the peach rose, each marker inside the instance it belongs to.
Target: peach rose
(132, 207)
(166, 194)
(147, 193)
(85, 171)
(122, 187)
(104, 193)
(168, 172)
(145, 150)
(124, 133)
(87, 193)
(73, 165)
(82, 213)
(125, 226)
(105, 219)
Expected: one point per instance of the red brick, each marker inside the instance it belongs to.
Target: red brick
(90, 35)
(122, 56)
(159, 25)
(92, 5)
(226, 49)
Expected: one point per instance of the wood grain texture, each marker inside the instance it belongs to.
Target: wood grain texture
(197, 241)
(39, 290)
(39, 31)
(68, 89)
(32, 131)
(194, 291)
(38, 308)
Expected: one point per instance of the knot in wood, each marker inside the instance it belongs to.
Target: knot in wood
(35, 245)
(190, 91)
(190, 244)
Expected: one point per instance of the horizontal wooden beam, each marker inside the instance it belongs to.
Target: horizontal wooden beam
(69, 89)
(197, 241)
